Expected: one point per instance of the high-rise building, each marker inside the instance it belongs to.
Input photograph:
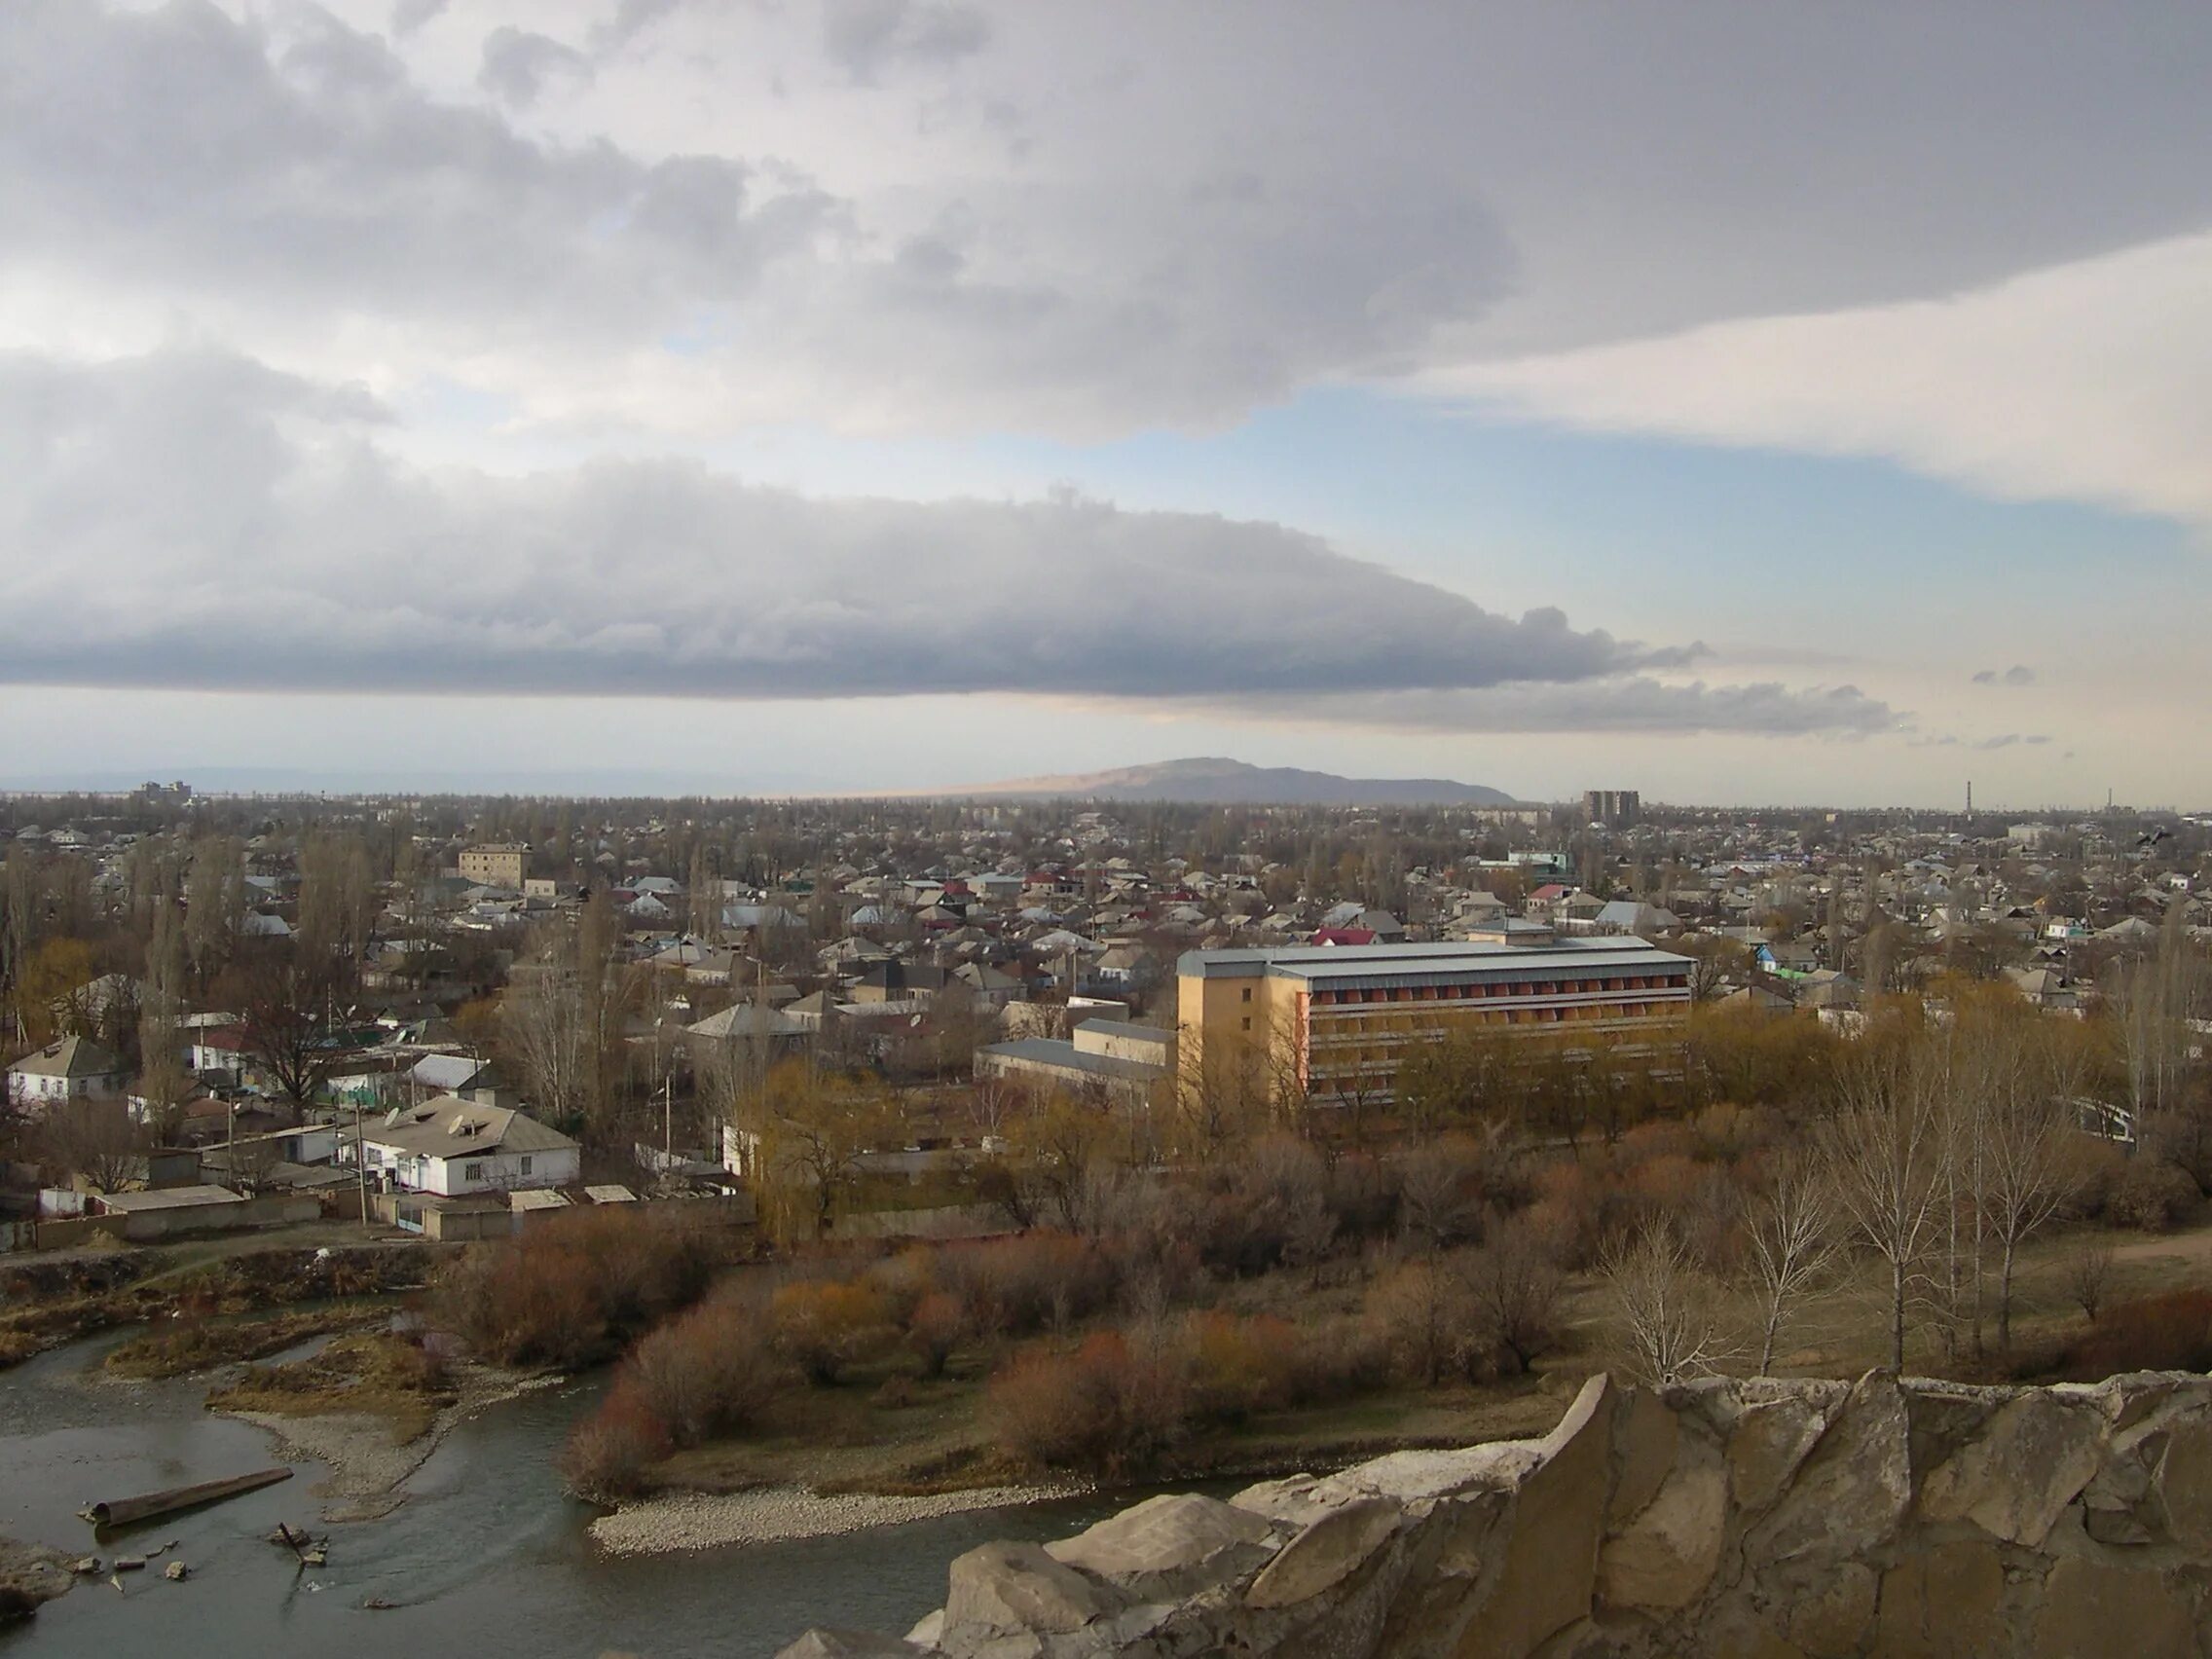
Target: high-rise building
(1615, 809)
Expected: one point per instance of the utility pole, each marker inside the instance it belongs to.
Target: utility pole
(360, 1161)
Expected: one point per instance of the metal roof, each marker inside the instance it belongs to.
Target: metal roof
(1441, 961)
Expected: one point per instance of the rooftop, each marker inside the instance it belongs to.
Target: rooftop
(1442, 959)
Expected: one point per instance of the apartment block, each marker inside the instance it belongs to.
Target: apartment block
(1341, 1018)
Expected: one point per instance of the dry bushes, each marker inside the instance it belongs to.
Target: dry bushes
(824, 1325)
(2153, 1196)
(1110, 1407)
(1014, 1287)
(607, 1454)
(565, 1293)
(1117, 1404)
(2168, 1332)
(707, 1373)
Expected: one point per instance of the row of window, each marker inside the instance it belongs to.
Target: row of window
(1498, 988)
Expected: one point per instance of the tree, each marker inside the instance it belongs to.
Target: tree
(1789, 1243)
(1885, 1152)
(809, 1132)
(285, 1028)
(1670, 1316)
(544, 1024)
(1516, 1284)
(95, 1139)
(2030, 1173)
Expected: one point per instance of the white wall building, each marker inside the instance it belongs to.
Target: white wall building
(453, 1147)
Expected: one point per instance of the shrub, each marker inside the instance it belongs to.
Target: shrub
(2151, 1195)
(1426, 1316)
(1106, 1408)
(707, 1373)
(565, 1293)
(935, 1329)
(607, 1454)
(824, 1326)
(1016, 1286)
(2168, 1332)
(1239, 1367)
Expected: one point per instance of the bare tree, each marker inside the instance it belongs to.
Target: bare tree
(2029, 1173)
(1789, 1243)
(1670, 1314)
(1515, 1284)
(286, 1029)
(2089, 1273)
(544, 1021)
(1886, 1153)
(96, 1140)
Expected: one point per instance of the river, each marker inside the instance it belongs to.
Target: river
(488, 1556)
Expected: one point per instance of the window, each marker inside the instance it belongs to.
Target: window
(473, 1171)
(525, 1163)
(1247, 993)
(1245, 1024)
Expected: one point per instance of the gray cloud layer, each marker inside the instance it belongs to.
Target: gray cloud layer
(248, 531)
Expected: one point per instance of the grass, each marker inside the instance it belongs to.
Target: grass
(190, 1345)
(373, 1374)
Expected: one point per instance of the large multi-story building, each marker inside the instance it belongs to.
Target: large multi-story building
(1615, 809)
(1339, 1020)
(498, 864)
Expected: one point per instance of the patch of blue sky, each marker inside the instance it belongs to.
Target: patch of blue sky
(1517, 513)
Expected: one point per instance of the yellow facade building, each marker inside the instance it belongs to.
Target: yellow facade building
(1335, 1021)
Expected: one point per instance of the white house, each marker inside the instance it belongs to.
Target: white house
(75, 1068)
(451, 1147)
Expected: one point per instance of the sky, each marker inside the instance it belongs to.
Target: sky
(1744, 404)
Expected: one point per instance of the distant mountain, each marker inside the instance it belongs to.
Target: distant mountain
(1213, 780)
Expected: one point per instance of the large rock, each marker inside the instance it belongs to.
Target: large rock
(1644, 1437)
(1328, 1552)
(1746, 1520)
(2094, 1610)
(1664, 1558)
(1550, 1565)
(1852, 1493)
(1018, 1587)
(1829, 1618)
(1169, 1545)
(2184, 1483)
(1942, 1603)
(2017, 1476)
(848, 1645)
(1766, 1444)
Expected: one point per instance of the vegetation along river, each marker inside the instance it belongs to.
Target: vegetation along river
(487, 1556)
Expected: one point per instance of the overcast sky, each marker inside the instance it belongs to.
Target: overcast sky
(1745, 403)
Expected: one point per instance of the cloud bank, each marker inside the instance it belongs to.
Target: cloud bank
(250, 532)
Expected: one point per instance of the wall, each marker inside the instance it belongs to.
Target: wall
(1740, 1519)
(269, 1210)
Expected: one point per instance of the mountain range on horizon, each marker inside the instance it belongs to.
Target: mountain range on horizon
(1216, 780)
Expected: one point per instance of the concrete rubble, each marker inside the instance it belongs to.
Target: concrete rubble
(1740, 1519)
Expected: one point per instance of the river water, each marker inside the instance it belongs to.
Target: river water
(487, 1558)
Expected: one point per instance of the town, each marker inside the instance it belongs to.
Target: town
(460, 1015)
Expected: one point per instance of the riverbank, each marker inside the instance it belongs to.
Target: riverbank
(30, 1574)
(683, 1523)
(368, 1456)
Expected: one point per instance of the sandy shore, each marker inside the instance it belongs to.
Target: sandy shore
(31, 1573)
(367, 1466)
(702, 1520)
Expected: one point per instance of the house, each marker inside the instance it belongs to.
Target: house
(74, 1068)
(450, 1147)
